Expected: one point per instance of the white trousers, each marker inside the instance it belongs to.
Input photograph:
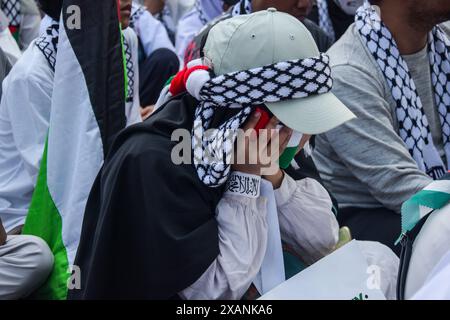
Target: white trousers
(25, 264)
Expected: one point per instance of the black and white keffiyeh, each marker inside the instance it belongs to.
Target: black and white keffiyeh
(242, 7)
(48, 43)
(413, 124)
(130, 70)
(243, 89)
(324, 19)
(12, 10)
(165, 17)
(136, 14)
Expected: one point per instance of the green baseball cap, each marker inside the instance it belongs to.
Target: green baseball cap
(265, 38)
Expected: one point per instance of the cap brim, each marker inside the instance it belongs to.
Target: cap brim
(312, 115)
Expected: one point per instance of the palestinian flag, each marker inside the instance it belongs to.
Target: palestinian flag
(88, 106)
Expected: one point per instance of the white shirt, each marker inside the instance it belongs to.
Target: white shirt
(307, 225)
(24, 118)
(151, 32)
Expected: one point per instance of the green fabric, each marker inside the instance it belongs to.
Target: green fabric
(292, 264)
(43, 220)
(287, 156)
(411, 209)
(125, 73)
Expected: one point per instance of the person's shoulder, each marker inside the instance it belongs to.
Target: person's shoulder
(350, 53)
(130, 36)
(32, 67)
(155, 134)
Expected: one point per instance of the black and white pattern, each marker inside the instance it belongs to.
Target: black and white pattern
(136, 15)
(242, 7)
(243, 89)
(12, 10)
(324, 19)
(48, 43)
(130, 70)
(165, 17)
(413, 124)
(243, 185)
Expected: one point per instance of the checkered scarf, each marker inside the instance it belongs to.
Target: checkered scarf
(136, 14)
(324, 19)
(413, 123)
(241, 90)
(242, 7)
(48, 43)
(130, 70)
(12, 9)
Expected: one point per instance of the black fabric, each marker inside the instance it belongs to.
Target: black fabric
(323, 41)
(194, 49)
(407, 243)
(340, 20)
(102, 64)
(379, 224)
(154, 72)
(149, 229)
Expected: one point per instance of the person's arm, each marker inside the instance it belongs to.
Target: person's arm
(369, 145)
(242, 225)
(153, 35)
(306, 219)
(27, 103)
(242, 244)
(2, 234)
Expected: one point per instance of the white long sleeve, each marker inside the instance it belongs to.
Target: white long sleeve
(242, 244)
(306, 221)
(152, 33)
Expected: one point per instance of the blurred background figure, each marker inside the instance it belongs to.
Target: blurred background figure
(24, 20)
(157, 58)
(335, 16)
(169, 12)
(203, 12)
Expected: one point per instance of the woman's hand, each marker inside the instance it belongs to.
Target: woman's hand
(258, 155)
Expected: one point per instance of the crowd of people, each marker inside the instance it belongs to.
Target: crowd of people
(353, 97)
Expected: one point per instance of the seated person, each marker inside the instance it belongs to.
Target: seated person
(25, 264)
(157, 59)
(25, 115)
(397, 86)
(169, 12)
(297, 8)
(192, 22)
(198, 225)
(335, 16)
